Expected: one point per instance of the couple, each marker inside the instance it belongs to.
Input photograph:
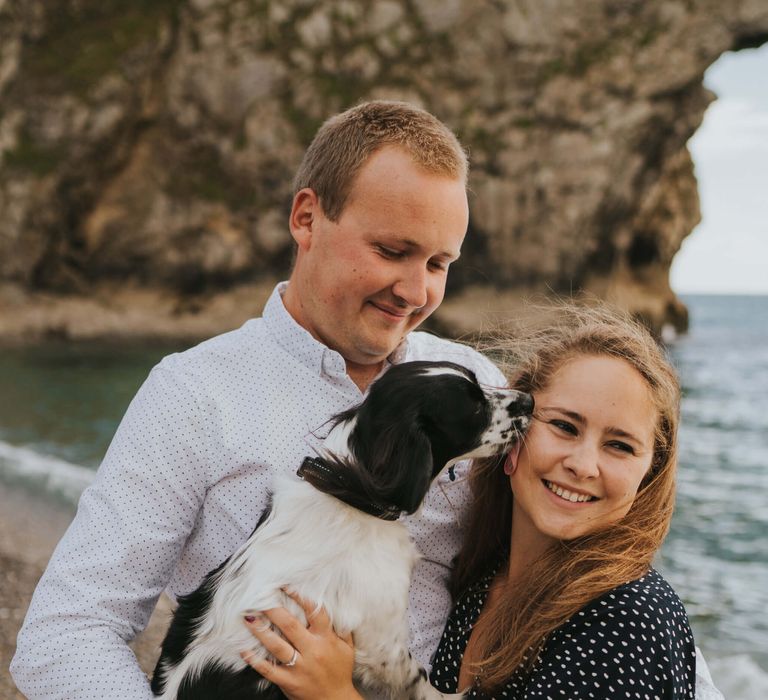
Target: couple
(553, 597)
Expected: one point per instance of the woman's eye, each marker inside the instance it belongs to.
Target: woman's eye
(564, 426)
(622, 447)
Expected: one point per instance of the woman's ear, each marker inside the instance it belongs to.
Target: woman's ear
(510, 463)
(304, 213)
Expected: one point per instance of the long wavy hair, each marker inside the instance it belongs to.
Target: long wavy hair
(571, 573)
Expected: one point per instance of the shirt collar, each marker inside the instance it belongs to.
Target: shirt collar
(298, 342)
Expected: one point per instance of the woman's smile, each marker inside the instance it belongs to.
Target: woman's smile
(588, 450)
(564, 494)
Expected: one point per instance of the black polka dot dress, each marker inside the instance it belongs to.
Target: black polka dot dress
(633, 642)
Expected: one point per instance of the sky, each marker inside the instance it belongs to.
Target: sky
(727, 253)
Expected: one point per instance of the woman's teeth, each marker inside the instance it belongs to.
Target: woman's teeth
(566, 494)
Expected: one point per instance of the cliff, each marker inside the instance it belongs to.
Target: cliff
(147, 146)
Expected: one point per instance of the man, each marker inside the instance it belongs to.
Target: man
(379, 214)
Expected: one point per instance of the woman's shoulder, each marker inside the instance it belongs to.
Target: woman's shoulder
(649, 598)
(634, 636)
(643, 611)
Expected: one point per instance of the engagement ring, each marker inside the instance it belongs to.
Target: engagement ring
(295, 656)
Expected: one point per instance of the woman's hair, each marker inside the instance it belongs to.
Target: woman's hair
(571, 573)
(345, 142)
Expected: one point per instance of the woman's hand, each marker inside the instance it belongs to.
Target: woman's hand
(315, 663)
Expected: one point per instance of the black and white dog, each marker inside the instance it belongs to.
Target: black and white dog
(333, 536)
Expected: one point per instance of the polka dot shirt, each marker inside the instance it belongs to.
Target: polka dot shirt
(183, 484)
(633, 642)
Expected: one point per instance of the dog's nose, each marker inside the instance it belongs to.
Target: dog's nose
(521, 404)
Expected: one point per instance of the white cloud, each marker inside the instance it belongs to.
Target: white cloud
(731, 124)
(728, 251)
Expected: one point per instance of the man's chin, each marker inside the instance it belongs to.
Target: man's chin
(370, 352)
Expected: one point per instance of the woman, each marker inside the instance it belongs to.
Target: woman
(555, 593)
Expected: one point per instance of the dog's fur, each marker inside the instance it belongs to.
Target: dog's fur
(417, 419)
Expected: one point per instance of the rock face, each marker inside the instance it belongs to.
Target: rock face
(150, 145)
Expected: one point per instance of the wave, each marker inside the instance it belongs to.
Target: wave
(45, 474)
(739, 677)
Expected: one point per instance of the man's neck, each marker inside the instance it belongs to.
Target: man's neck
(363, 375)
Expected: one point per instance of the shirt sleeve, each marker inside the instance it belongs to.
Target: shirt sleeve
(623, 646)
(705, 686)
(118, 554)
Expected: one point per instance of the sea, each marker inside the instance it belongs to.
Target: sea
(61, 403)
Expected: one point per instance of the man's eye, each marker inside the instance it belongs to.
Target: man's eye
(438, 265)
(390, 253)
(564, 426)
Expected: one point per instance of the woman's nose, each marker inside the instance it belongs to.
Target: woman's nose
(582, 461)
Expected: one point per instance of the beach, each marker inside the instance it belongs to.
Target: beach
(29, 532)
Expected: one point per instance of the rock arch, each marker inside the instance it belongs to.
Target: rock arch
(154, 147)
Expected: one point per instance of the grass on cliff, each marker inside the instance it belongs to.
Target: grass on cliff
(33, 157)
(85, 41)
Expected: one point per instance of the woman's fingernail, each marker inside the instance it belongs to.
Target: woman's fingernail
(259, 622)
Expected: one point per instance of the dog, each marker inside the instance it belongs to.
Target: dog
(335, 536)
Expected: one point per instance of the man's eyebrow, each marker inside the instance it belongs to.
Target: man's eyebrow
(415, 244)
(578, 418)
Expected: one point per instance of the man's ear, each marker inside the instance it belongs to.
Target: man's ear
(304, 214)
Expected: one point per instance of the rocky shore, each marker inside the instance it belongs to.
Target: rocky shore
(29, 532)
(118, 315)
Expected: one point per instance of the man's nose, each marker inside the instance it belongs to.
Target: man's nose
(412, 287)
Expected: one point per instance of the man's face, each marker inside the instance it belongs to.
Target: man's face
(362, 283)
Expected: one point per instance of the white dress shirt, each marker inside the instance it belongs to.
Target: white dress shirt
(183, 484)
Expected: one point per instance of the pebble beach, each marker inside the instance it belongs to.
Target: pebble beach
(29, 532)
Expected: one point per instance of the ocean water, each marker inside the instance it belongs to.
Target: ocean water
(716, 555)
(60, 405)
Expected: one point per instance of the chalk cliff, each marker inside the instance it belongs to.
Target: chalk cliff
(147, 147)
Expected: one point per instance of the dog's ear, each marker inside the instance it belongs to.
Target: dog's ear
(400, 465)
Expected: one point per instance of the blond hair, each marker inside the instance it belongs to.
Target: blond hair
(571, 573)
(346, 141)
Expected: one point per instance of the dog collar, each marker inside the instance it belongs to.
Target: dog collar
(331, 481)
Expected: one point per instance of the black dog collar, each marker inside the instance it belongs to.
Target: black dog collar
(324, 478)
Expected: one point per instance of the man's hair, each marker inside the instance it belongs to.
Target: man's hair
(571, 573)
(345, 142)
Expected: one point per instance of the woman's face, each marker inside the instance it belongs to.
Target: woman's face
(587, 450)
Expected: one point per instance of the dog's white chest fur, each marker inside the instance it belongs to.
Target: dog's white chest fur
(321, 549)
